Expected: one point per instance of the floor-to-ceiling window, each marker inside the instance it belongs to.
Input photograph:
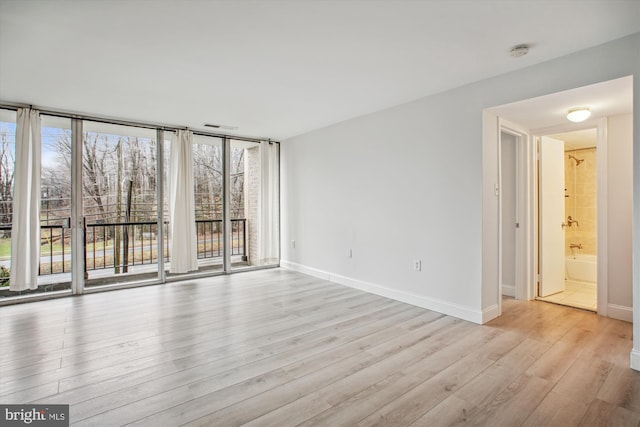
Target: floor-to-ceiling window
(105, 218)
(54, 262)
(55, 205)
(7, 168)
(120, 203)
(254, 171)
(208, 202)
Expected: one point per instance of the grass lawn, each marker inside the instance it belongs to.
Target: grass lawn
(5, 248)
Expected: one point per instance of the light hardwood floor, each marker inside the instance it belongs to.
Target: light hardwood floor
(278, 348)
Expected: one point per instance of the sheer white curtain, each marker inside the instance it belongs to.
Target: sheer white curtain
(25, 231)
(182, 219)
(268, 202)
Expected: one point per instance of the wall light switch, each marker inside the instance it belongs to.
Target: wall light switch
(293, 244)
(350, 253)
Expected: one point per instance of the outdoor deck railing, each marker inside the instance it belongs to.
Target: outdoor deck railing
(58, 236)
(210, 241)
(137, 241)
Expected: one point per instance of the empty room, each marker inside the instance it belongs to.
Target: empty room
(320, 213)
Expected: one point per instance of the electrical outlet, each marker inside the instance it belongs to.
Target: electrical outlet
(417, 265)
(293, 244)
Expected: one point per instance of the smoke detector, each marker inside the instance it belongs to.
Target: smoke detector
(519, 50)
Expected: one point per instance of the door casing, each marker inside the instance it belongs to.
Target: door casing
(527, 237)
(525, 189)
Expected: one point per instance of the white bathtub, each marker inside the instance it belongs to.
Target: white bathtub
(582, 268)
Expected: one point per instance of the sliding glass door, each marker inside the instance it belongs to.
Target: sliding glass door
(7, 173)
(254, 204)
(56, 249)
(207, 180)
(120, 203)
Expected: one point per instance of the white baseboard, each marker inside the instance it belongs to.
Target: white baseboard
(305, 270)
(509, 290)
(455, 310)
(635, 359)
(620, 312)
(490, 313)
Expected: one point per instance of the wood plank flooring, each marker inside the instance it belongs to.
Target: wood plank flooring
(278, 348)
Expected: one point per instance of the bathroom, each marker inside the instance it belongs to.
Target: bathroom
(580, 225)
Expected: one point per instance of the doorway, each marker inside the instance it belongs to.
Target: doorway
(517, 228)
(509, 211)
(568, 218)
(545, 116)
(528, 224)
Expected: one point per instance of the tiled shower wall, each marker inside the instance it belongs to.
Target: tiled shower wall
(581, 187)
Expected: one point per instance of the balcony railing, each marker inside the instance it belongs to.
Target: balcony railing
(137, 242)
(209, 238)
(55, 245)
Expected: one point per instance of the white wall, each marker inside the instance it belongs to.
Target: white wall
(619, 214)
(393, 190)
(408, 183)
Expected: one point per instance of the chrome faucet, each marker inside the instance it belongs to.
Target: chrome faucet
(575, 245)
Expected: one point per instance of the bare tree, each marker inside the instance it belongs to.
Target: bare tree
(7, 171)
(207, 165)
(237, 182)
(98, 160)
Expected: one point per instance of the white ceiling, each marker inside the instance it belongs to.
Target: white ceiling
(578, 139)
(278, 68)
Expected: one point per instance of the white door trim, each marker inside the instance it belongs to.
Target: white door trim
(525, 190)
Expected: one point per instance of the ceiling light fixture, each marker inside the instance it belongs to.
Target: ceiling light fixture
(578, 114)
